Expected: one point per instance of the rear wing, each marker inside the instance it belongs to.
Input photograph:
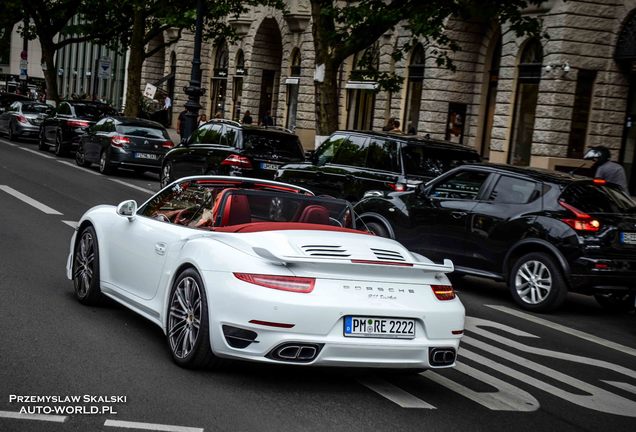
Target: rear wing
(446, 267)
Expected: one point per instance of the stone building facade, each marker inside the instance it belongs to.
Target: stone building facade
(516, 100)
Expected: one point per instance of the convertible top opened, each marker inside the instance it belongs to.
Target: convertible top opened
(257, 270)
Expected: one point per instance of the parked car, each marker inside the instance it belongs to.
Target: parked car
(350, 163)
(6, 99)
(542, 232)
(264, 271)
(22, 119)
(227, 147)
(127, 142)
(63, 128)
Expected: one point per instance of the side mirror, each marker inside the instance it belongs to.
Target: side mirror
(127, 209)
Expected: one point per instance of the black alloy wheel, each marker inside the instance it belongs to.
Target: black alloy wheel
(536, 282)
(379, 229)
(59, 149)
(188, 329)
(86, 268)
(11, 136)
(80, 157)
(105, 166)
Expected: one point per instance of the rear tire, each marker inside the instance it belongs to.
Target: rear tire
(12, 136)
(60, 149)
(536, 283)
(41, 141)
(80, 157)
(616, 302)
(379, 229)
(188, 330)
(86, 268)
(105, 166)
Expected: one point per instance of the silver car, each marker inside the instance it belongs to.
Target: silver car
(23, 119)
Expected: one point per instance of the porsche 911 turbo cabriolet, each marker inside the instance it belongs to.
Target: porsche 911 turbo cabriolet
(258, 270)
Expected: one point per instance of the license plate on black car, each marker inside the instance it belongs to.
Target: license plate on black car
(628, 238)
(373, 327)
(146, 156)
(269, 166)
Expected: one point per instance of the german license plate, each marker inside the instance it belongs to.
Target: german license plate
(628, 238)
(146, 156)
(373, 327)
(269, 166)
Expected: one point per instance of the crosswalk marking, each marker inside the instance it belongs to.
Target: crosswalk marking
(621, 385)
(564, 329)
(22, 197)
(394, 393)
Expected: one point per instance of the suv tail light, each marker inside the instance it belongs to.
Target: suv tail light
(22, 119)
(77, 123)
(397, 187)
(582, 221)
(237, 161)
(119, 141)
(599, 181)
(283, 283)
(167, 144)
(443, 292)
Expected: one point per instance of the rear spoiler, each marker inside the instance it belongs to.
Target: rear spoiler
(446, 267)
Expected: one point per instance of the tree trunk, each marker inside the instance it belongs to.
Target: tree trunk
(327, 101)
(136, 61)
(50, 74)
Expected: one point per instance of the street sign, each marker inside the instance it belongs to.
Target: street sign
(103, 70)
(23, 64)
(23, 74)
(150, 91)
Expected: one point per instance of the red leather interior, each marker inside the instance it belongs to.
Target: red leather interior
(314, 214)
(236, 211)
(282, 226)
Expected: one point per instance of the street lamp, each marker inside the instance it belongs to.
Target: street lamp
(194, 90)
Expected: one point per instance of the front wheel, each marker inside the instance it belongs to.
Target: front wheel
(86, 268)
(617, 301)
(188, 329)
(536, 282)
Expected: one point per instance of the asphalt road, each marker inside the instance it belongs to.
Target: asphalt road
(569, 371)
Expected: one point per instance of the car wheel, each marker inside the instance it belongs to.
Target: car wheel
(41, 141)
(166, 172)
(537, 283)
(188, 329)
(616, 301)
(105, 167)
(379, 229)
(59, 149)
(80, 157)
(86, 268)
(11, 136)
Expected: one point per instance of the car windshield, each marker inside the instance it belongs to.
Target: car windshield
(143, 131)
(36, 109)
(429, 162)
(93, 111)
(210, 204)
(261, 144)
(596, 198)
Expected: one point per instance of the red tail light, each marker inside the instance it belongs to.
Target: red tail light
(398, 187)
(443, 292)
(283, 283)
(119, 141)
(599, 181)
(237, 161)
(167, 144)
(582, 221)
(22, 119)
(77, 123)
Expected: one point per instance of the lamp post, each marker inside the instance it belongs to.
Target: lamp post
(194, 90)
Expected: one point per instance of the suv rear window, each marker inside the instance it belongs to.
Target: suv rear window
(143, 131)
(430, 162)
(267, 144)
(593, 198)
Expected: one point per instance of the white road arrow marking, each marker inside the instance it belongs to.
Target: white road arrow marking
(72, 224)
(22, 197)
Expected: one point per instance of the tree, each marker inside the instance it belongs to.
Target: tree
(342, 29)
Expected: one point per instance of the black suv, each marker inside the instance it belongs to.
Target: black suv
(226, 147)
(64, 127)
(350, 163)
(541, 231)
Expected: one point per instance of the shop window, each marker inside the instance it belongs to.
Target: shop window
(414, 90)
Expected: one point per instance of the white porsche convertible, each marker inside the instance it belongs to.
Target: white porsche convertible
(258, 270)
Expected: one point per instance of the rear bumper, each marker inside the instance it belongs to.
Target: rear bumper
(27, 130)
(593, 275)
(129, 159)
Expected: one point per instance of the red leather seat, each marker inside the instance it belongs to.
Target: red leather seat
(237, 210)
(315, 214)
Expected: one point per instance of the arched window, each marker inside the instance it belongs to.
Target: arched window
(237, 85)
(293, 84)
(219, 81)
(529, 76)
(414, 90)
(361, 90)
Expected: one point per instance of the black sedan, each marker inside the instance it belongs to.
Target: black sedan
(22, 119)
(124, 142)
(64, 127)
(542, 232)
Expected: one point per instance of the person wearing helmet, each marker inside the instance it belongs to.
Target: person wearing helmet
(610, 171)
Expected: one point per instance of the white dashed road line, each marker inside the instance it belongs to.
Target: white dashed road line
(394, 393)
(38, 205)
(148, 191)
(72, 224)
(41, 417)
(564, 329)
(36, 152)
(150, 426)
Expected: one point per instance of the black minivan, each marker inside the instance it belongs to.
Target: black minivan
(351, 163)
(224, 147)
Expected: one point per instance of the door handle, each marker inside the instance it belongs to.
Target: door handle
(160, 248)
(458, 214)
